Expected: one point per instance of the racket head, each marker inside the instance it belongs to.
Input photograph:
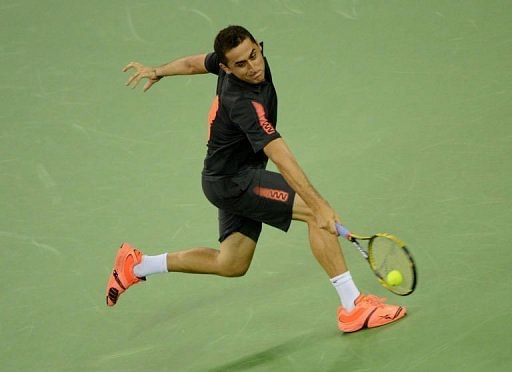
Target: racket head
(387, 253)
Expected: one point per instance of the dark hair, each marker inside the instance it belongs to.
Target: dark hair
(230, 38)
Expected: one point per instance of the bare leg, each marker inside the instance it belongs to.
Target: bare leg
(233, 259)
(325, 246)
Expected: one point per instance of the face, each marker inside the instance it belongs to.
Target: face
(246, 62)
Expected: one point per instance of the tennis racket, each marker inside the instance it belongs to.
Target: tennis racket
(386, 254)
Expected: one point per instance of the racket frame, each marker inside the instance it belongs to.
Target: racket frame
(369, 257)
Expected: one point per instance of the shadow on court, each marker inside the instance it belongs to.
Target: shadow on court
(274, 353)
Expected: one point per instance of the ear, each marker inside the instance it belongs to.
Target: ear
(226, 69)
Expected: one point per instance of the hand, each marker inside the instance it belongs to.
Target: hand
(141, 71)
(326, 218)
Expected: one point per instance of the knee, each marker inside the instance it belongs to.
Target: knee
(233, 270)
(302, 212)
(309, 218)
(235, 255)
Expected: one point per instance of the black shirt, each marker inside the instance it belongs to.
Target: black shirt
(242, 122)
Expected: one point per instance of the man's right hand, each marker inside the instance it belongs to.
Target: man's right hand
(326, 218)
(141, 71)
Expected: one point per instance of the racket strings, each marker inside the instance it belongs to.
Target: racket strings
(387, 255)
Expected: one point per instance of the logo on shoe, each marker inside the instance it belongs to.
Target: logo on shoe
(386, 317)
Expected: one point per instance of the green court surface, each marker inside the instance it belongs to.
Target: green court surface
(399, 112)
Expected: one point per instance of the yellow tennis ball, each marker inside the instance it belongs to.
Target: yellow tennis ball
(394, 278)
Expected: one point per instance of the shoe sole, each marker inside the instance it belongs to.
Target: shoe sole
(115, 285)
(401, 312)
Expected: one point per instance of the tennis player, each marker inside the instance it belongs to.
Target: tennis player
(242, 137)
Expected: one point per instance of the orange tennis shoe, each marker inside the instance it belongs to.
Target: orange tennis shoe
(370, 311)
(122, 276)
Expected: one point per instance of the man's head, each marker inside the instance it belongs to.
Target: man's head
(240, 54)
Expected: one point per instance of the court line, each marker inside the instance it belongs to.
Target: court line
(132, 27)
(125, 353)
(201, 14)
(32, 241)
(453, 342)
(110, 135)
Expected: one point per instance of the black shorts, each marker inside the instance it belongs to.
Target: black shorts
(247, 200)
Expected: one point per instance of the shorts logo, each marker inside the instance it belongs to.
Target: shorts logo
(278, 195)
(267, 127)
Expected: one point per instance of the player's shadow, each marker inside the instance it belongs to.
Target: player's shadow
(272, 353)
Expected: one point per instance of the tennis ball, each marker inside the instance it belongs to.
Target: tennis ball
(394, 278)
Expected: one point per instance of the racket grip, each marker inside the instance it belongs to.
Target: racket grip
(343, 231)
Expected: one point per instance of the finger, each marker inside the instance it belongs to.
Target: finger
(136, 81)
(330, 227)
(148, 85)
(336, 232)
(333, 228)
(130, 65)
(132, 79)
(325, 226)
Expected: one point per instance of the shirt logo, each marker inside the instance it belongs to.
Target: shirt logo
(267, 127)
(212, 114)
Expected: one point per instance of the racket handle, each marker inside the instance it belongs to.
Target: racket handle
(343, 231)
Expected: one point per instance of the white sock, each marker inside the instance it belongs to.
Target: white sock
(346, 289)
(151, 265)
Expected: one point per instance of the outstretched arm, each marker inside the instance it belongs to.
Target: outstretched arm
(183, 66)
(283, 158)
